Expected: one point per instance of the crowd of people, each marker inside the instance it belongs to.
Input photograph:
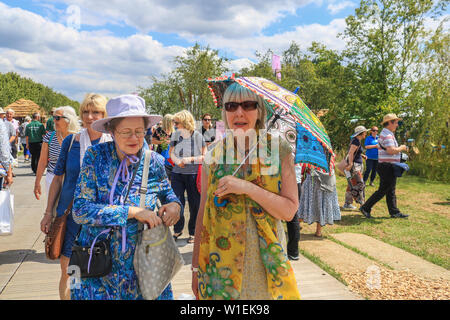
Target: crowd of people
(383, 156)
(235, 210)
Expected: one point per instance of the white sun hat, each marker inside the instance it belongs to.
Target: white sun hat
(125, 106)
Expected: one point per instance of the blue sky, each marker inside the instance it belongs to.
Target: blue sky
(113, 46)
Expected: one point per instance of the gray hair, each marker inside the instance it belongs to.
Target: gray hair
(71, 118)
(238, 93)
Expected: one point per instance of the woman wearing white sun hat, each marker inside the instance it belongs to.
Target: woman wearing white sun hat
(355, 167)
(99, 201)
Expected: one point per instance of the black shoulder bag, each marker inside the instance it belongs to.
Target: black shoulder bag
(95, 261)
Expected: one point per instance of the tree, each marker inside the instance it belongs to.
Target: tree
(14, 87)
(185, 87)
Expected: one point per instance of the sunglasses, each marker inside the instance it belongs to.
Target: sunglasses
(246, 106)
(374, 130)
(59, 117)
(176, 123)
(207, 120)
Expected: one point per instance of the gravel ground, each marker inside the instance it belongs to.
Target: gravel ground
(384, 284)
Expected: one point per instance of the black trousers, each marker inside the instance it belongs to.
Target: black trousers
(293, 230)
(371, 166)
(181, 183)
(35, 150)
(387, 188)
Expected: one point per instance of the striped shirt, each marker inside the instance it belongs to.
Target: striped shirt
(387, 140)
(53, 150)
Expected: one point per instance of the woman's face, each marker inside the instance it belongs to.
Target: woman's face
(206, 121)
(129, 135)
(243, 117)
(177, 124)
(61, 124)
(89, 115)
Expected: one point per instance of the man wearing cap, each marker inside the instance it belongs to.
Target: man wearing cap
(355, 188)
(387, 155)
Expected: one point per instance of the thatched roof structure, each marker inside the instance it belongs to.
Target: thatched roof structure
(25, 108)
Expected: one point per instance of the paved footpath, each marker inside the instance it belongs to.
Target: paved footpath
(25, 273)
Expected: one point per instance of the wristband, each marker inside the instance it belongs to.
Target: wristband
(47, 213)
(194, 269)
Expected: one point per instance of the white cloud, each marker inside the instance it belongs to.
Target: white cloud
(302, 35)
(237, 64)
(195, 17)
(335, 8)
(97, 61)
(75, 62)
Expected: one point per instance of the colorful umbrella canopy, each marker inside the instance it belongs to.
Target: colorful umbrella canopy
(293, 119)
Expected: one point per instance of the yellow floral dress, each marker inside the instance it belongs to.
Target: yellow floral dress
(241, 255)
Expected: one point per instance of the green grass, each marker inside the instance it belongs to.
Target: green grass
(424, 233)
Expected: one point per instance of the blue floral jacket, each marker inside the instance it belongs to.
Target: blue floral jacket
(92, 210)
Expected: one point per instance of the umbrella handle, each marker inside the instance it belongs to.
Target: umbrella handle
(275, 118)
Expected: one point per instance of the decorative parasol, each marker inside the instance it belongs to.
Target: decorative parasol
(287, 115)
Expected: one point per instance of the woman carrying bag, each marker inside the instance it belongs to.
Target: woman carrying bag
(356, 186)
(106, 201)
(66, 174)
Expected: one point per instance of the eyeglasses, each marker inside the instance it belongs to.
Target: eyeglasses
(246, 106)
(57, 118)
(128, 133)
(209, 120)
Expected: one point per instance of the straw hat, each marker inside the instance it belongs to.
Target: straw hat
(125, 106)
(359, 130)
(2, 111)
(389, 117)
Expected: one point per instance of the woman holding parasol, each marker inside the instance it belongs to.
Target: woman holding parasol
(238, 251)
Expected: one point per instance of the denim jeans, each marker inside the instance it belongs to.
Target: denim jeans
(180, 184)
(371, 165)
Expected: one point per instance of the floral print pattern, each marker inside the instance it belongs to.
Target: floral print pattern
(91, 209)
(223, 253)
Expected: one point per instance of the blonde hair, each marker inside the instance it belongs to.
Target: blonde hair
(186, 119)
(237, 93)
(167, 124)
(94, 101)
(70, 117)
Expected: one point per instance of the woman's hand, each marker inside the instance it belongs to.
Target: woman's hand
(230, 184)
(195, 284)
(148, 217)
(37, 191)
(45, 223)
(364, 156)
(170, 213)
(349, 167)
(8, 181)
(180, 163)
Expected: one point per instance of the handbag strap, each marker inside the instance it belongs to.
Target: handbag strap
(62, 183)
(143, 188)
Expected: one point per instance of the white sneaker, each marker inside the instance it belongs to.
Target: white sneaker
(349, 207)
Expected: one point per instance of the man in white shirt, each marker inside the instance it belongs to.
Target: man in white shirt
(15, 124)
(387, 155)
